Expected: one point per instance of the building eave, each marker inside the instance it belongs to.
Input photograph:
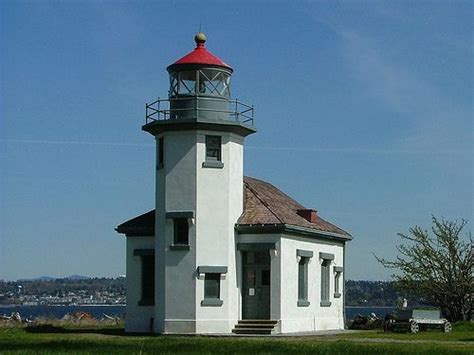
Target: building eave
(292, 229)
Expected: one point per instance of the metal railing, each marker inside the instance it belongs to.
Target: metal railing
(160, 109)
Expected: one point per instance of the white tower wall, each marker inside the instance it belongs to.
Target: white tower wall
(215, 196)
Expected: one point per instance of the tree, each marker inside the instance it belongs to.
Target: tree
(437, 267)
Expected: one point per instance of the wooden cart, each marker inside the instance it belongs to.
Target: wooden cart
(417, 319)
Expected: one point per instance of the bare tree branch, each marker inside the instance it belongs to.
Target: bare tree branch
(437, 266)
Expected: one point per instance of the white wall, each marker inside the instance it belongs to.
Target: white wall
(138, 318)
(314, 317)
(284, 283)
(176, 191)
(219, 205)
(216, 197)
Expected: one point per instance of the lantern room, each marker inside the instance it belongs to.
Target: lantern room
(199, 91)
(199, 84)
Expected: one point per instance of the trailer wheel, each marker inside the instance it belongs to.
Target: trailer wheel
(414, 327)
(447, 327)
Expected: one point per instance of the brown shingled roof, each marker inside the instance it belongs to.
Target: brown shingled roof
(264, 205)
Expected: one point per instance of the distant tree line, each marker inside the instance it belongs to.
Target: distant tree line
(378, 293)
(358, 293)
(61, 287)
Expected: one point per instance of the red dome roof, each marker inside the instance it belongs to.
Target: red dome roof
(200, 55)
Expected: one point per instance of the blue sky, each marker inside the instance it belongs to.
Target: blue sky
(364, 111)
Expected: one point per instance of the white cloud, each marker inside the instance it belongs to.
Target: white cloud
(433, 118)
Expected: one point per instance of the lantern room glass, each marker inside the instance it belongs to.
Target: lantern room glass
(206, 81)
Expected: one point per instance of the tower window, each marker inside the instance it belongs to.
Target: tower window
(213, 148)
(181, 231)
(212, 285)
(161, 156)
(181, 222)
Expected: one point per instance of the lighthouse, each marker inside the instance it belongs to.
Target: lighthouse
(222, 252)
(199, 192)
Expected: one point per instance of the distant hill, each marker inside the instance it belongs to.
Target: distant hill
(77, 277)
(51, 278)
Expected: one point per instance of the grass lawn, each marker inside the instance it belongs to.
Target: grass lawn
(111, 339)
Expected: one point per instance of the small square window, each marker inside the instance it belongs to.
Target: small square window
(213, 148)
(181, 231)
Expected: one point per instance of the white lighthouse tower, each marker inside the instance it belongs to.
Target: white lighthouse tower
(199, 195)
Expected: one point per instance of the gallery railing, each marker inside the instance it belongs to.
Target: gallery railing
(199, 107)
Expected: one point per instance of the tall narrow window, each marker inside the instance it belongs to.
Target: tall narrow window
(181, 231)
(148, 280)
(337, 281)
(325, 278)
(302, 281)
(161, 156)
(303, 257)
(147, 284)
(325, 282)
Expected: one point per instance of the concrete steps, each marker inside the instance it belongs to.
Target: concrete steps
(254, 326)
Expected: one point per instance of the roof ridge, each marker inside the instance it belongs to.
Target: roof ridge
(263, 202)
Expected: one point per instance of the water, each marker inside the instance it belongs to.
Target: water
(352, 311)
(119, 311)
(58, 312)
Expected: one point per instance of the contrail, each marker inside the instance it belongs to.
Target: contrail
(359, 150)
(31, 141)
(267, 148)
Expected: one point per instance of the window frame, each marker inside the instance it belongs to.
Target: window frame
(185, 217)
(212, 161)
(212, 285)
(326, 278)
(161, 152)
(303, 258)
(147, 276)
(337, 281)
(180, 231)
(212, 300)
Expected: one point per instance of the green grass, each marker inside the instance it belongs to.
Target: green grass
(110, 339)
(462, 332)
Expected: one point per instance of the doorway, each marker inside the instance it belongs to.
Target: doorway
(256, 284)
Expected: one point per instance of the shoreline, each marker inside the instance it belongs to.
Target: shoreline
(62, 305)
